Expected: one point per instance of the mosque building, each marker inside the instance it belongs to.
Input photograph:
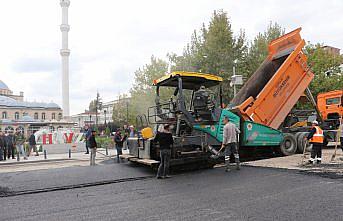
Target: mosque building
(17, 114)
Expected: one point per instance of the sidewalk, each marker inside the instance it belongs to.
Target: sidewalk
(76, 156)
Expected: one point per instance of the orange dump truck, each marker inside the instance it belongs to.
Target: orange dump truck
(272, 91)
(330, 105)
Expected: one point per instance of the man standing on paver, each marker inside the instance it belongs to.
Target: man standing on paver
(92, 145)
(19, 142)
(316, 138)
(165, 140)
(230, 132)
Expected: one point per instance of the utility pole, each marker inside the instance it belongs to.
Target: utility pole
(98, 106)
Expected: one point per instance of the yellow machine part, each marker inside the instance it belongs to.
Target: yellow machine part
(299, 124)
(147, 133)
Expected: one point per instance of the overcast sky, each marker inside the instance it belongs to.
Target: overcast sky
(109, 39)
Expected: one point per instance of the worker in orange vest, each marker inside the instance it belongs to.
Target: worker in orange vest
(316, 138)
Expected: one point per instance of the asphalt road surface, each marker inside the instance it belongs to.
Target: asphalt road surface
(248, 194)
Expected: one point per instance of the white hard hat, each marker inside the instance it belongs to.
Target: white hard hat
(315, 122)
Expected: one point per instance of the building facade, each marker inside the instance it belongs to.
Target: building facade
(27, 116)
(105, 115)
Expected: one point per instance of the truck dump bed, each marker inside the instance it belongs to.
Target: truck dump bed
(272, 91)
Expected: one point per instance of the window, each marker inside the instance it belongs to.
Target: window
(60, 116)
(16, 115)
(35, 116)
(4, 115)
(334, 100)
(53, 116)
(43, 116)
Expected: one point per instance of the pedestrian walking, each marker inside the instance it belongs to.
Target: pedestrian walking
(9, 142)
(19, 139)
(126, 134)
(3, 152)
(119, 141)
(165, 141)
(92, 146)
(316, 138)
(32, 144)
(87, 135)
(230, 132)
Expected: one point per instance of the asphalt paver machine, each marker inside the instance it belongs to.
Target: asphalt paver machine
(195, 112)
(259, 109)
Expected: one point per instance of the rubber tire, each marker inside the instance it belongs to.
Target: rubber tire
(289, 145)
(301, 142)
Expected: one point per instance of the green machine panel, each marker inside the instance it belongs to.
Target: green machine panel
(255, 134)
(252, 134)
(216, 130)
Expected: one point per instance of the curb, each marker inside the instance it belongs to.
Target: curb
(50, 160)
(36, 161)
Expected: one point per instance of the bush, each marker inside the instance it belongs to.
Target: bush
(104, 142)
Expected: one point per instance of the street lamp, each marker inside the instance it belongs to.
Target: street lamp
(235, 79)
(105, 116)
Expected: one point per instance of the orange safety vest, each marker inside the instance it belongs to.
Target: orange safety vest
(318, 136)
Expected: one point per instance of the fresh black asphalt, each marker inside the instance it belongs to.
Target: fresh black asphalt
(248, 194)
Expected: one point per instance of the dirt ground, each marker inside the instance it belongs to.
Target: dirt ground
(328, 167)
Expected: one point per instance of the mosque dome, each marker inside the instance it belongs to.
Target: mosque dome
(3, 86)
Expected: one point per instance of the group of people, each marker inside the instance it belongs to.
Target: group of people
(12, 143)
(119, 139)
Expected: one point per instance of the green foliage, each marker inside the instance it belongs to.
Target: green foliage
(121, 110)
(214, 49)
(323, 62)
(258, 49)
(142, 93)
(92, 106)
(107, 131)
(104, 142)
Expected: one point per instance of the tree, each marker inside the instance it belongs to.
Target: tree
(92, 106)
(143, 92)
(98, 106)
(213, 50)
(326, 67)
(258, 49)
(121, 110)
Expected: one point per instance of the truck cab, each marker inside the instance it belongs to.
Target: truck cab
(330, 105)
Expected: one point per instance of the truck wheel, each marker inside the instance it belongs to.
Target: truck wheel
(289, 145)
(302, 143)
